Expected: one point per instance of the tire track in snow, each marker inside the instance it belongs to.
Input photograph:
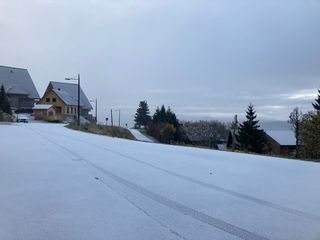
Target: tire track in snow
(77, 157)
(208, 185)
(183, 209)
(179, 235)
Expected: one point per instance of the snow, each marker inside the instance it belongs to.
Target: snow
(58, 183)
(43, 106)
(283, 137)
(139, 136)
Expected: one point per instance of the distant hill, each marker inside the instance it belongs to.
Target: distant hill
(275, 125)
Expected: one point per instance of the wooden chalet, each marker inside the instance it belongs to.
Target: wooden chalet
(60, 103)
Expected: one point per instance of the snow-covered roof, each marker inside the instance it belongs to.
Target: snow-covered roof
(17, 81)
(42, 106)
(283, 137)
(68, 92)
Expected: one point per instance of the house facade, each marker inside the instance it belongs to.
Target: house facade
(60, 103)
(19, 87)
(281, 142)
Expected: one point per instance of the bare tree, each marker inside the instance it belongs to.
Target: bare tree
(234, 128)
(309, 135)
(295, 118)
(207, 133)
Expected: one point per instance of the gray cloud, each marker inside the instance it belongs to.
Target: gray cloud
(216, 56)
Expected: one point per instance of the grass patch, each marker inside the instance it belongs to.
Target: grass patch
(110, 131)
(5, 117)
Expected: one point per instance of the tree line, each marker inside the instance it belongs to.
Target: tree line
(250, 137)
(247, 136)
(162, 125)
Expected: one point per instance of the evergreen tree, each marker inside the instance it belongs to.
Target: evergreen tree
(250, 137)
(4, 101)
(171, 118)
(164, 121)
(142, 116)
(316, 105)
(160, 116)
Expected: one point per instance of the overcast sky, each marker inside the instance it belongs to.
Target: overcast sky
(203, 58)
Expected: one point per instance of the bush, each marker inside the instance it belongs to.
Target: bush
(5, 117)
(310, 136)
(167, 132)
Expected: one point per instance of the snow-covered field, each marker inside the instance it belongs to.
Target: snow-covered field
(57, 183)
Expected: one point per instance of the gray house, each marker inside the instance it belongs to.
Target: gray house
(19, 86)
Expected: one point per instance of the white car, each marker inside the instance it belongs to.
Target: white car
(22, 118)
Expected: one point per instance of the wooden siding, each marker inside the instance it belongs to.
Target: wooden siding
(276, 148)
(59, 104)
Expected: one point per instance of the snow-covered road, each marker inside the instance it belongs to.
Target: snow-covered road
(57, 183)
(139, 136)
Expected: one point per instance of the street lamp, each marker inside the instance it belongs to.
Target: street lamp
(78, 79)
(96, 108)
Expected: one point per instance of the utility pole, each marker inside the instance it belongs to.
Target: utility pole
(79, 99)
(96, 110)
(119, 117)
(111, 119)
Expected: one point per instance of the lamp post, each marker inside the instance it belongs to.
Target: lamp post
(78, 79)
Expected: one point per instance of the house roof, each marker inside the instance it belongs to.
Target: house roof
(42, 106)
(68, 92)
(17, 81)
(283, 137)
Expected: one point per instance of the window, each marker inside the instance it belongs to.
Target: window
(54, 99)
(71, 110)
(67, 110)
(47, 99)
(58, 109)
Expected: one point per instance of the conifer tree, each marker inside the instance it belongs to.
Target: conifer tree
(250, 137)
(316, 105)
(160, 115)
(164, 121)
(172, 118)
(4, 101)
(142, 116)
